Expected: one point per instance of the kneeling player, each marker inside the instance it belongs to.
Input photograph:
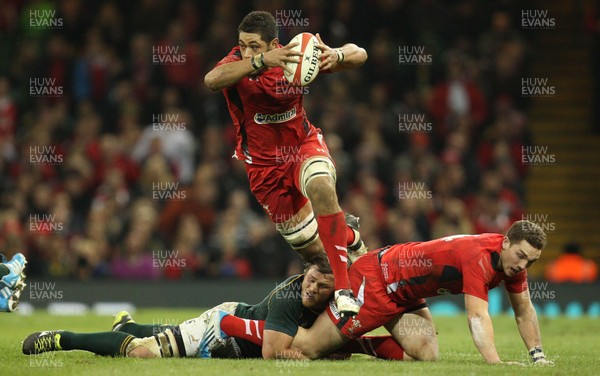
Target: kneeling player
(388, 280)
(414, 338)
(391, 281)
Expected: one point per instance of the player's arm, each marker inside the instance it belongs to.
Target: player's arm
(480, 325)
(277, 345)
(348, 56)
(230, 73)
(281, 323)
(528, 325)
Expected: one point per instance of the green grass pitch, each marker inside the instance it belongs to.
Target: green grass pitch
(572, 343)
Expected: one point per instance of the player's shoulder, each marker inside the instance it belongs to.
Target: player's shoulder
(483, 237)
(232, 56)
(286, 289)
(472, 248)
(292, 281)
(490, 237)
(235, 50)
(490, 243)
(287, 294)
(478, 242)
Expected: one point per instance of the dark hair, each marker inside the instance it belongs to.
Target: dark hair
(262, 23)
(528, 231)
(321, 262)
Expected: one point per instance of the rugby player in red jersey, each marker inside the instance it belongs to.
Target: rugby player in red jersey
(393, 281)
(288, 164)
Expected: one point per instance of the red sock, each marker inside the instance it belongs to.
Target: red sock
(332, 230)
(383, 347)
(349, 235)
(250, 330)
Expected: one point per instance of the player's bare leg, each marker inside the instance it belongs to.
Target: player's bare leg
(416, 334)
(302, 232)
(141, 352)
(317, 182)
(320, 340)
(305, 240)
(188, 339)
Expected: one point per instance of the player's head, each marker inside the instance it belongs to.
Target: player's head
(317, 286)
(257, 33)
(521, 247)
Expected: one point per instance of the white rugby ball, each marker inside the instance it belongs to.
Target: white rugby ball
(307, 69)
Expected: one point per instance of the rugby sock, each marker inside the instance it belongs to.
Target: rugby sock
(350, 237)
(250, 330)
(105, 343)
(332, 231)
(141, 331)
(383, 347)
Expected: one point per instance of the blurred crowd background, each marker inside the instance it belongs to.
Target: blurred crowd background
(81, 166)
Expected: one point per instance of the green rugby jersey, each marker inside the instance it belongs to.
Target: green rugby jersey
(282, 311)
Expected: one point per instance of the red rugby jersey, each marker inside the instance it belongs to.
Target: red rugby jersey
(451, 265)
(267, 113)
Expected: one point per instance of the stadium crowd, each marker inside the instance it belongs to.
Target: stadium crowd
(116, 159)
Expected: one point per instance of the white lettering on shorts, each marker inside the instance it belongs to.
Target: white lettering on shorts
(334, 310)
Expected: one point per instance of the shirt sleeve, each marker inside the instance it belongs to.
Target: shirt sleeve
(284, 310)
(232, 56)
(274, 83)
(517, 283)
(476, 277)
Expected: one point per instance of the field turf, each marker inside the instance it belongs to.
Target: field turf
(572, 343)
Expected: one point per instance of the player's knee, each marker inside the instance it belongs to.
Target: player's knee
(141, 352)
(312, 251)
(302, 235)
(143, 348)
(321, 192)
(430, 352)
(317, 176)
(427, 351)
(161, 345)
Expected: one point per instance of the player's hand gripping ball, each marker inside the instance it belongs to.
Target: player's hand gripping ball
(307, 69)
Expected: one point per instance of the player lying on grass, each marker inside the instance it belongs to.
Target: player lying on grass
(290, 170)
(12, 281)
(296, 302)
(388, 280)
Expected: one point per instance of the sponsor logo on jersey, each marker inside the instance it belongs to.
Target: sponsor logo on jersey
(334, 310)
(443, 291)
(355, 325)
(275, 118)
